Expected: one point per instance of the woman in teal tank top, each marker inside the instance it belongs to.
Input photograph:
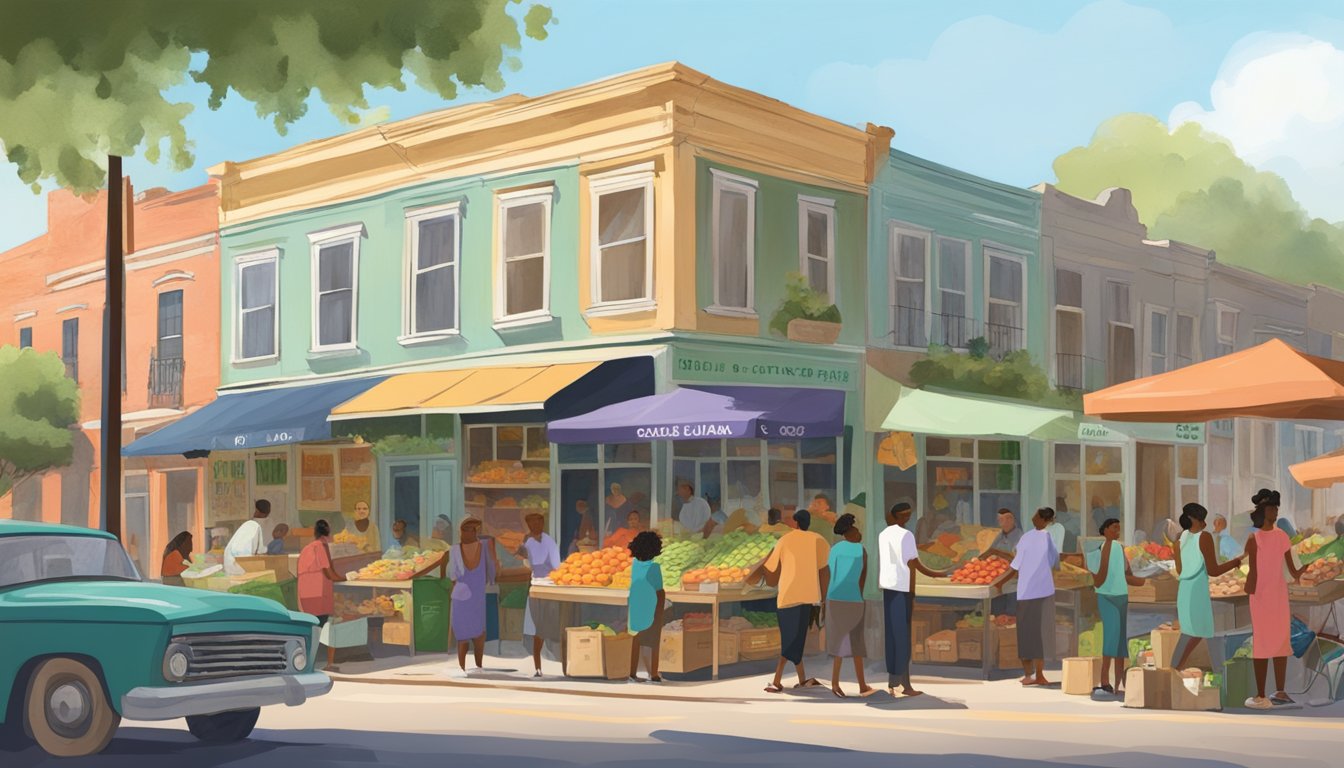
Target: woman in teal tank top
(1196, 562)
(1112, 579)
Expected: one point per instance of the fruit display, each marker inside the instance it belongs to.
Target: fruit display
(1325, 569)
(386, 606)
(677, 558)
(398, 565)
(726, 576)
(345, 537)
(981, 570)
(534, 502)
(935, 561)
(1006, 622)
(738, 549)
(957, 547)
(507, 473)
(1158, 551)
(1230, 584)
(760, 619)
(593, 569)
(1070, 575)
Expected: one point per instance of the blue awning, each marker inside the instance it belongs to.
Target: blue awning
(693, 413)
(249, 420)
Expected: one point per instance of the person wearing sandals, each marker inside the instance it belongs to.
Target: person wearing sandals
(646, 603)
(1112, 579)
(898, 560)
(1196, 562)
(1034, 566)
(844, 603)
(799, 566)
(1271, 621)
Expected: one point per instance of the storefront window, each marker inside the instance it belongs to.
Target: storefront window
(508, 476)
(972, 481)
(270, 479)
(606, 494)
(1089, 484)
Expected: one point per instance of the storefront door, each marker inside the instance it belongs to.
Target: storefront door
(1153, 494)
(417, 491)
(181, 503)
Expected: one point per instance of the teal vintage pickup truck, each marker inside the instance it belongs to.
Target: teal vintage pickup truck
(85, 641)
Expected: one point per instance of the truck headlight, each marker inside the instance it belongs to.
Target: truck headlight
(298, 659)
(176, 661)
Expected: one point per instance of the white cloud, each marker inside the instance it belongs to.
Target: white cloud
(1280, 100)
(996, 98)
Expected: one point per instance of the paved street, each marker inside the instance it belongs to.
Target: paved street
(363, 724)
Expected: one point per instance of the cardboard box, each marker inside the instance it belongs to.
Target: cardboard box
(397, 633)
(1159, 589)
(728, 648)
(1081, 674)
(756, 644)
(686, 651)
(1206, 700)
(1166, 641)
(942, 647)
(510, 623)
(583, 652)
(1148, 688)
(970, 644)
(616, 655)
(277, 563)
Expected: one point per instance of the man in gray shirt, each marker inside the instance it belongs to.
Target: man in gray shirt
(1009, 533)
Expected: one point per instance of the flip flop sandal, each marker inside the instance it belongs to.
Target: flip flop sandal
(839, 694)
(1283, 700)
(772, 688)
(867, 693)
(809, 683)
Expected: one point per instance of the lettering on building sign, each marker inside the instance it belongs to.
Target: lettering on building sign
(1191, 433)
(675, 431)
(783, 430)
(798, 373)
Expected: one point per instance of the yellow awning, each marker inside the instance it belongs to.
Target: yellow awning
(501, 388)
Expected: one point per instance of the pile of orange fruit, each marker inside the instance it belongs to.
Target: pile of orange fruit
(592, 569)
(981, 571)
(713, 574)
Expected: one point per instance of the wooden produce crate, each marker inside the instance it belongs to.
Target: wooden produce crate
(757, 644)
(1317, 594)
(919, 635)
(1159, 589)
(511, 624)
(942, 647)
(686, 651)
(277, 563)
(397, 633)
(1006, 637)
(728, 647)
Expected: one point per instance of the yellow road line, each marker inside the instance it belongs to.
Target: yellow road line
(581, 718)
(1024, 717)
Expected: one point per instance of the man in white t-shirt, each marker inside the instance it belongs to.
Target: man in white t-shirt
(898, 559)
(248, 540)
(695, 515)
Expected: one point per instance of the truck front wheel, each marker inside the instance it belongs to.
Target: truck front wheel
(67, 712)
(225, 726)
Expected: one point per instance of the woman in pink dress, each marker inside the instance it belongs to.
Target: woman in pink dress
(1271, 621)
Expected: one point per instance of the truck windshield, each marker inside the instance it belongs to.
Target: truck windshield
(34, 559)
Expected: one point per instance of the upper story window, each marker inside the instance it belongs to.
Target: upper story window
(1159, 331)
(257, 309)
(26, 337)
(170, 325)
(909, 258)
(622, 240)
(523, 292)
(1120, 338)
(1070, 349)
(734, 244)
(1187, 340)
(954, 267)
(433, 242)
(816, 242)
(70, 346)
(335, 287)
(1005, 327)
(1227, 330)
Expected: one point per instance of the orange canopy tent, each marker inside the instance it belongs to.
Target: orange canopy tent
(1320, 472)
(1271, 381)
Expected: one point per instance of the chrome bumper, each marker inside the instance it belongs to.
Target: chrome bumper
(171, 702)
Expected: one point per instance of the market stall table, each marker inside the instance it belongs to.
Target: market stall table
(569, 596)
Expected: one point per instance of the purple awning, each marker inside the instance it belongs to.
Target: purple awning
(709, 413)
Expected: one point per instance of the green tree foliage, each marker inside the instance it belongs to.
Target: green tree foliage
(1190, 185)
(84, 79)
(38, 405)
(1014, 376)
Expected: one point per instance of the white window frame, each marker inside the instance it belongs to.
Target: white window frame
(1149, 312)
(992, 252)
(894, 231)
(410, 271)
(352, 234)
(640, 177)
(727, 182)
(1194, 338)
(543, 196)
(825, 207)
(1054, 322)
(1111, 322)
(1220, 339)
(241, 263)
(966, 285)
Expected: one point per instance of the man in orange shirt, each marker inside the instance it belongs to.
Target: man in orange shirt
(634, 524)
(799, 566)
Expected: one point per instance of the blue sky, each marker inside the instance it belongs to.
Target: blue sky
(995, 88)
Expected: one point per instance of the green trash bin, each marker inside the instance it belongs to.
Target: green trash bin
(1238, 683)
(289, 592)
(431, 599)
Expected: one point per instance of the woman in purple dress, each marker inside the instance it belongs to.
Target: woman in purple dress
(471, 566)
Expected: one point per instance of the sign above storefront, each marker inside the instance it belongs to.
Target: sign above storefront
(736, 367)
(1092, 432)
(258, 439)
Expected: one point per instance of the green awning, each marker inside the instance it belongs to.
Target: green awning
(880, 393)
(933, 413)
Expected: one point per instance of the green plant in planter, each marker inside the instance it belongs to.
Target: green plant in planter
(801, 301)
(405, 445)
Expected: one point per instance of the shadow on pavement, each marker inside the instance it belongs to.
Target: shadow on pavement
(162, 748)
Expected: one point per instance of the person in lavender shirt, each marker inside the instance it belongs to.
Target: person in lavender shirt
(543, 554)
(1034, 566)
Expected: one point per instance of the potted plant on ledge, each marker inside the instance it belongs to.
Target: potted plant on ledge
(806, 315)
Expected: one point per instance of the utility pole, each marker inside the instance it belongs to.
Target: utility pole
(113, 324)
